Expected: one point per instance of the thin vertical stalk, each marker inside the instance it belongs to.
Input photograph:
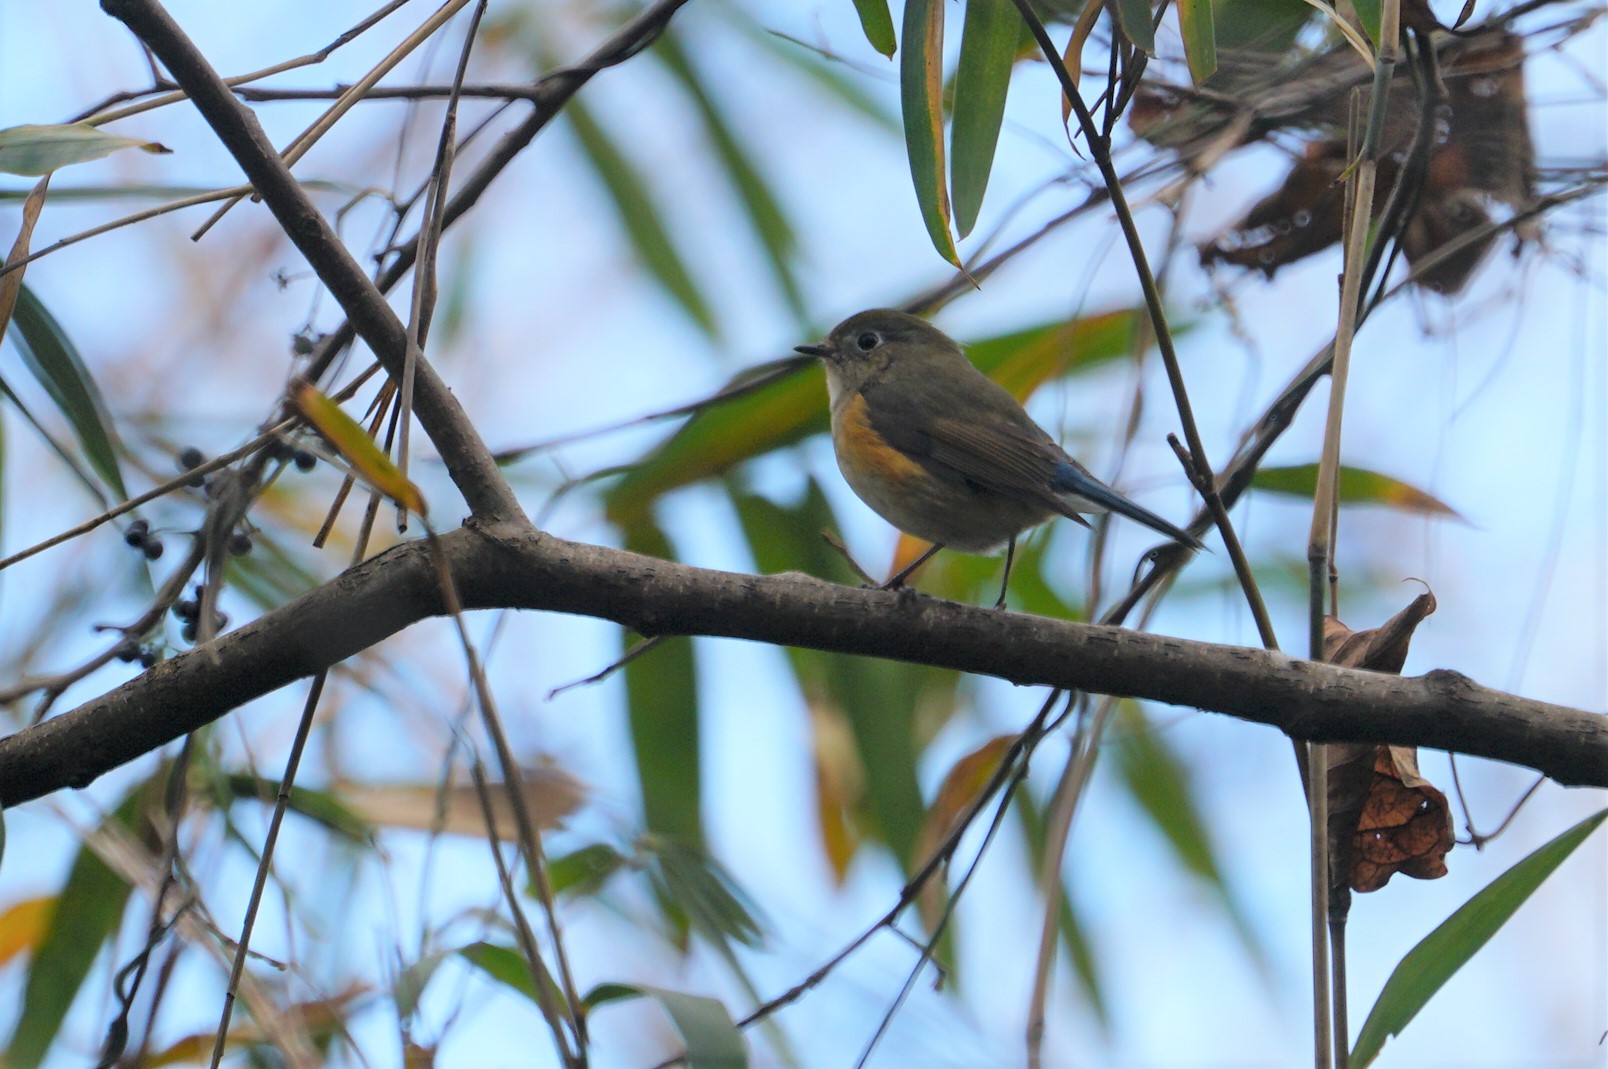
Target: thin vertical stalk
(1329, 1042)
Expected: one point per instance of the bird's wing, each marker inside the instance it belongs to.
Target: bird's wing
(970, 435)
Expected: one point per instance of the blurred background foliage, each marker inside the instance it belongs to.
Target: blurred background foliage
(755, 174)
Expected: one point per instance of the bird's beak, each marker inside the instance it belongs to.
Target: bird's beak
(813, 350)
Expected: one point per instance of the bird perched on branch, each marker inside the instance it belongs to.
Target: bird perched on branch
(943, 452)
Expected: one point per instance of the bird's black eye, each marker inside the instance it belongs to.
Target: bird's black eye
(868, 341)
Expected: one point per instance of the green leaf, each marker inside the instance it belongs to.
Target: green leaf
(877, 698)
(1431, 963)
(1200, 38)
(320, 807)
(584, 871)
(408, 988)
(88, 912)
(1266, 26)
(510, 968)
(38, 150)
(1370, 16)
(921, 83)
(719, 436)
(66, 455)
(758, 202)
(1358, 486)
(877, 24)
(661, 690)
(705, 891)
(1159, 782)
(712, 1038)
(640, 217)
(1074, 938)
(1134, 16)
(988, 45)
(53, 359)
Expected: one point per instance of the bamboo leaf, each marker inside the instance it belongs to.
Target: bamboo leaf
(662, 701)
(921, 83)
(54, 361)
(712, 1038)
(321, 807)
(88, 912)
(1080, 951)
(863, 711)
(1358, 486)
(38, 150)
(1370, 16)
(11, 281)
(1200, 38)
(696, 884)
(24, 924)
(510, 968)
(348, 438)
(640, 217)
(988, 46)
(1431, 963)
(1134, 17)
(584, 871)
(877, 24)
(1159, 782)
(754, 194)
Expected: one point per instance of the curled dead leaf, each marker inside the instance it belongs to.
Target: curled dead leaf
(1384, 817)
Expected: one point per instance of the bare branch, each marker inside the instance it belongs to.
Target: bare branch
(511, 565)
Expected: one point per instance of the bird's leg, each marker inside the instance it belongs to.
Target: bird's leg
(898, 581)
(1004, 584)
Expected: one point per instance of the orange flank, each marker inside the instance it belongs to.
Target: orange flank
(862, 449)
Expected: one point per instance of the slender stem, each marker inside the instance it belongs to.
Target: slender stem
(1325, 514)
(282, 804)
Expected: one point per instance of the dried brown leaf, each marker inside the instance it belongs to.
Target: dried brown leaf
(1384, 817)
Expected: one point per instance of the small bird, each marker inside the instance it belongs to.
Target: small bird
(941, 451)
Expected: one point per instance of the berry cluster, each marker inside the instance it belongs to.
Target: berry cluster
(140, 537)
(189, 610)
(130, 650)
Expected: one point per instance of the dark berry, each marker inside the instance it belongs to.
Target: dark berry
(191, 457)
(240, 543)
(279, 449)
(188, 609)
(127, 651)
(305, 461)
(147, 658)
(135, 535)
(189, 632)
(152, 548)
(220, 621)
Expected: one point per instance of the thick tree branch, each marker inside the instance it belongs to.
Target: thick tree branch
(467, 459)
(510, 565)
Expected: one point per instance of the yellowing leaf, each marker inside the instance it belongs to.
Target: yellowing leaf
(23, 925)
(839, 784)
(38, 150)
(961, 786)
(348, 438)
(921, 85)
(1358, 486)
